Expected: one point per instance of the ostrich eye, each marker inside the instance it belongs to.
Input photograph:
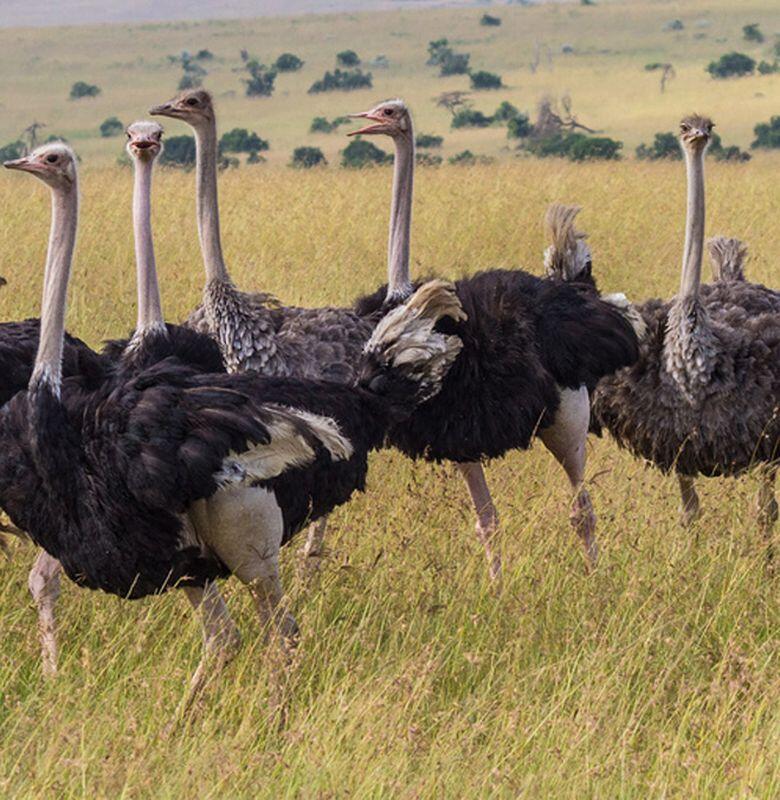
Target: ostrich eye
(52, 159)
(388, 112)
(192, 101)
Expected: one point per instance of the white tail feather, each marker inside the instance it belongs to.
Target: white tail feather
(728, 258)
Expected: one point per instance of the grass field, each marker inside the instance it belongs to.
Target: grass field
(656, 676)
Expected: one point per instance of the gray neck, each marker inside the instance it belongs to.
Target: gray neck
(62, 240)
(207, 201)
(150, 316)
(694, 225)
(399, 284)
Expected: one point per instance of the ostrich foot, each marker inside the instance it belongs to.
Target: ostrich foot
(583, 520)
(690, 509)
(44, 585)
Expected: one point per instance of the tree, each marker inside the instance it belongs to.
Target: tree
(193, 72)
(240, 140)
(485, 80)
(732, 65)
(320, 125)
(342, 80)
(288, 62)
(452, 100)
(361, 153)
(260, 82)
(519, 127)
(81, 89)
(307, 157)
(179, 152)
(111, 126)
(752, 33)
(489, 21)
(665, 145)
(765, 68)
(204, 55)
(666, 70)
(454, 64)
(347, 58)
(12, 151)
(767, 134)
(428, 141)
(505, 112)
(470, 118)
(575, 146)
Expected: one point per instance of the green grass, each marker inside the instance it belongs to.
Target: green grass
(655, 676)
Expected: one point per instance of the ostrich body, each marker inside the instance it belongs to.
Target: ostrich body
(532, 349)
(704, 397)
(170, 477)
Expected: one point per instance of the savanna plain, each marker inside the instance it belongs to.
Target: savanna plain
(655, 675)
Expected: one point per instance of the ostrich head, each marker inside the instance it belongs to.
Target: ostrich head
(695, 133)
(194, 107)
(54, 164)
(568, 257)
(144, 140)
(391, 118)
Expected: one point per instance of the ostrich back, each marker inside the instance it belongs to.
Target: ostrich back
(735, 423)
(525, 339)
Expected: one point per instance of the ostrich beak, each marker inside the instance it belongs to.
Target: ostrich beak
(25, 164)
(163, 110)
(378, 128)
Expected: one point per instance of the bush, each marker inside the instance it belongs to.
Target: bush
(427, 160)
(765, 68)
(464, 158)
(204, 55)
(519, 127)
(288, 62)
(307, 157)
(347, 58)
(240, 140)
(179, 152)
(575, 147)
(732, 65)
(437, 51)
(342, 80)
(485, 80)
(767, 134)
(505, 112)
(488, 21)
(260, 82)
(470, 118)
(11, 151)
(721, 153)
(81, 89)
(111, 126)
(322, 125)
(752, 33)
(361, 153)
(427, 140)
(665, 145)
(454, 64)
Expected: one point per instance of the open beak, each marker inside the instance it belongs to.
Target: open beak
(377, 128)
(25, 164)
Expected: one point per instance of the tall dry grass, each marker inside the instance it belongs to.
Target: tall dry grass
(655, 676)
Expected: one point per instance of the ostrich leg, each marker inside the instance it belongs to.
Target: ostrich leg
(689, 501)
(766, 505)
(310, 555)
(566, 439)
(487, 518)
(44, 585)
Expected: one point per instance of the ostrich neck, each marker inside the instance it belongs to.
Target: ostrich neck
(399, 284)
(150, 316)
(208, 203)
(62, 240)
(694, 225)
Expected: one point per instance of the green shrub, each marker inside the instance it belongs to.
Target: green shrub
(437, 51)
(347, 58)
(179, 152)
(320, 125)
(470, 118)
(752, 33)
(767, 134)
(260, 82)
(307, 157)
(361, 153)
(575, 147)
(204, 55)
(111, 126)
(288, 62)
(519, 127)
(11, 151)
(505, 112)
(464, 158)
(454, 64)
(732, 65)
(240, 140)
(489, 21)
(665, 145)
(427, 140)
(485, 80)
(81, 89)
(427, 159)
(765, 68)
(342, 80)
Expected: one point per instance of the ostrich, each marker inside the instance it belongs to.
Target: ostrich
(704, 397)
(169, 477)
(532, 349)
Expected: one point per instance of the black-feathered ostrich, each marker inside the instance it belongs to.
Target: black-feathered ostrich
(254, 331)
(170, 477)
(704, 397)
(532, 349)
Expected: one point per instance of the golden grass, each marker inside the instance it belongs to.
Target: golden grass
(656, 676)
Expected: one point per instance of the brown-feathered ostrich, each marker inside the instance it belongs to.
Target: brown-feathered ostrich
(531, 351)
(165, 476)
(704, 397)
